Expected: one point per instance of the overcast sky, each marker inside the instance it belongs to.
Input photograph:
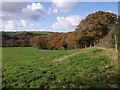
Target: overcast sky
(49, 16)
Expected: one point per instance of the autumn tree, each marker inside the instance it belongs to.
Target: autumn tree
(10, 43)
(118, 33)
(24, 43)
(57, 41)
(97, 25)
(39, 42)
(100, 21)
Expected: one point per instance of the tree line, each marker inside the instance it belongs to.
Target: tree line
(89, 32)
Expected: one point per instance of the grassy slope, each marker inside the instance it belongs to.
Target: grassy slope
(29, 67)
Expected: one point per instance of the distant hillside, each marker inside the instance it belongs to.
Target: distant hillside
(19, 39)
(33, 32)
(21, 35)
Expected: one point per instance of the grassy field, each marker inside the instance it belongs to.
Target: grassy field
(34, 68)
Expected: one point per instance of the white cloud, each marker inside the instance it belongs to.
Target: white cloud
(1, 26)
(52, 10)
(55, 11)
(11, 25)
(66, 22)
(22, 10)
(109, 11)
(61, 6)
(37, 25)
(23, 22)
(35, 6)
(18, 25)
(34, 11)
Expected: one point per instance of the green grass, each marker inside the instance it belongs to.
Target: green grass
(34, 32)
(33, 68)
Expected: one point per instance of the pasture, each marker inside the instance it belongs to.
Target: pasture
(29, 67)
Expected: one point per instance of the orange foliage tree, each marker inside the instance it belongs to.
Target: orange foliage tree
(39, 42)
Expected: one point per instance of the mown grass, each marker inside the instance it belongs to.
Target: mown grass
(33, 68)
